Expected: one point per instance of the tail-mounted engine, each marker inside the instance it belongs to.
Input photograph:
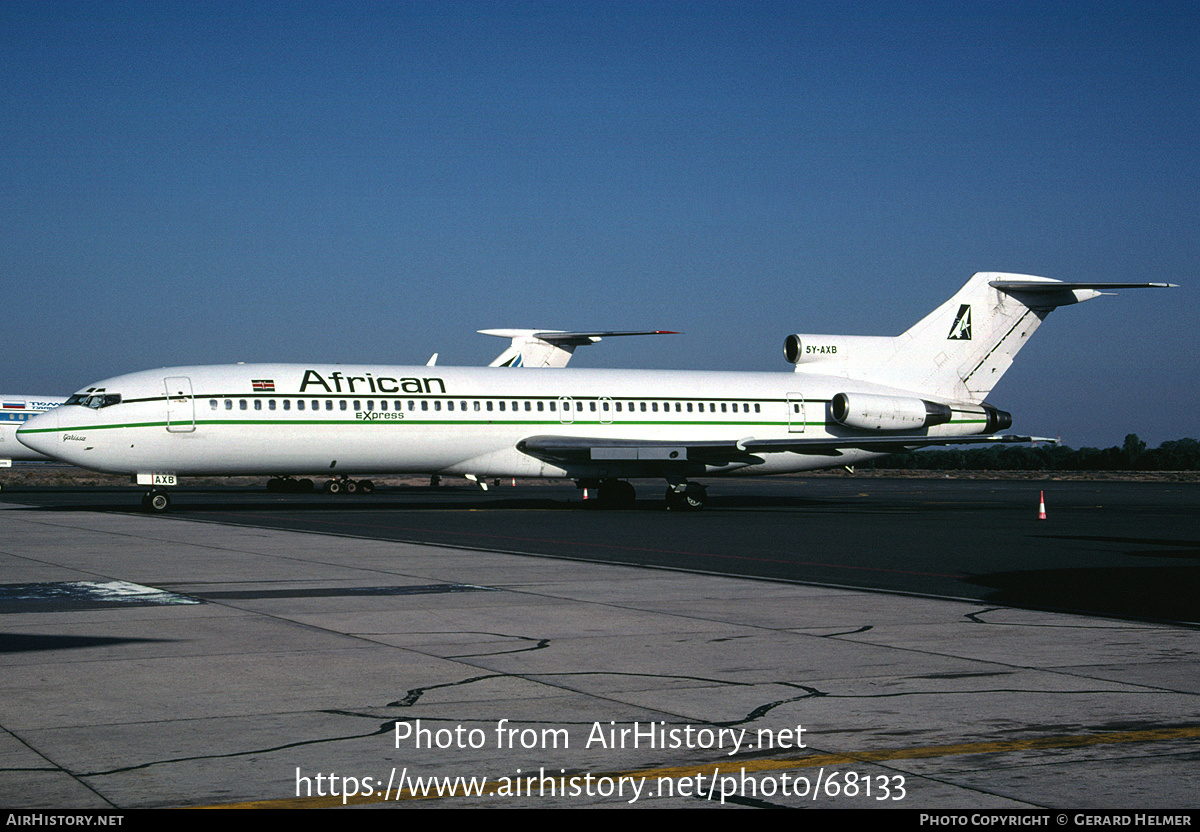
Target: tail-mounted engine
(861, 350)
(870, 412)
(866, 411)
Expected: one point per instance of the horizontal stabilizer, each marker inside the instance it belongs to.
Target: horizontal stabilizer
(1055, 286)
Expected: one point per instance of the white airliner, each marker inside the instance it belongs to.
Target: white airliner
(14, 412)
(850, 398)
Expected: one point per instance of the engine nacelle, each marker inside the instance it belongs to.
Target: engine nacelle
(870, 412)
(859, 350)
(996, 419)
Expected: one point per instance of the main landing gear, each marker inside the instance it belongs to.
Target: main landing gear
(620, 494)
(617, 494)
(686, 496)
(345, 485)
(287, 485)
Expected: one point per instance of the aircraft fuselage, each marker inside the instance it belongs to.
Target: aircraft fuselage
(292, 419)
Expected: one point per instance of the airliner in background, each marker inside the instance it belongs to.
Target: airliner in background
(849, 399)
(14, 412)
(549, 347)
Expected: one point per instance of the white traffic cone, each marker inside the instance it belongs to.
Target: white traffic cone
(1041, 505)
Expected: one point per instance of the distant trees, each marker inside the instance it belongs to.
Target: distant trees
(1176, 455)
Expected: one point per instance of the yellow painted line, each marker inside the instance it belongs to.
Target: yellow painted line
(750, 766)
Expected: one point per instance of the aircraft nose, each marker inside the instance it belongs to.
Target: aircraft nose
(40, 433)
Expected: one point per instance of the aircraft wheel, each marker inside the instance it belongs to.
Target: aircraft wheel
(273, 484)
(628, 494)
(157, 501)
(693, 496)
(366, 487)
(350, 486)
(333, 487)
(305, 486)
(617, 494)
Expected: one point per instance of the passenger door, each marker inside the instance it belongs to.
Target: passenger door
(181, 409)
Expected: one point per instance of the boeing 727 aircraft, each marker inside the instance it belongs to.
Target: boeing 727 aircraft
(850, 398)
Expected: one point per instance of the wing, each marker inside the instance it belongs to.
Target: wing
(581, 449)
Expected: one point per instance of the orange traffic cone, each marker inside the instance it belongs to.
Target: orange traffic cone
(1041, 505)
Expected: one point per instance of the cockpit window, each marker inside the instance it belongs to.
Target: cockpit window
(95, 399)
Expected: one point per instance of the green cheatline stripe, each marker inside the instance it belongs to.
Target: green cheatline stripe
(463, 422)
(396, 422)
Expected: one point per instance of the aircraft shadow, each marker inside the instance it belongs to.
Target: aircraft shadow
(1164, 593)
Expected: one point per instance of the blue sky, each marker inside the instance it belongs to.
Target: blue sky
(373, 182)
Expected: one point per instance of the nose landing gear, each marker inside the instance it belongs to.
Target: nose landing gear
(156, 500)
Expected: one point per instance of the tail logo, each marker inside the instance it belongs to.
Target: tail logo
(961, 329)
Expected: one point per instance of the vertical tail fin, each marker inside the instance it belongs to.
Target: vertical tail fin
(961, 349)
